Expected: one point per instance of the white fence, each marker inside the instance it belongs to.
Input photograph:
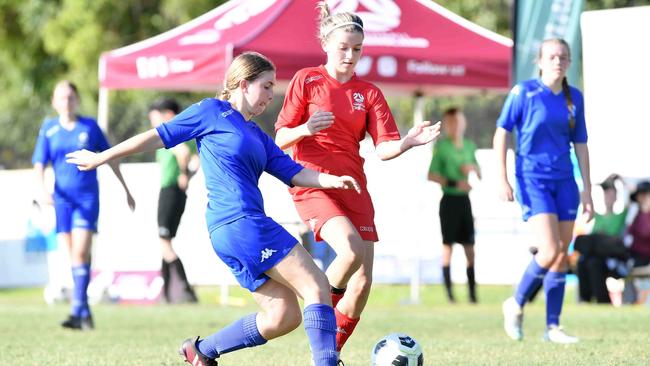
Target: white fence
(406, 216)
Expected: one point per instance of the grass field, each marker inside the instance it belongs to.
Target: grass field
(450, 335)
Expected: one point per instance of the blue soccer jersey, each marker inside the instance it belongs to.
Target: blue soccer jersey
(544, 136)
(234, 153)
(54, 142)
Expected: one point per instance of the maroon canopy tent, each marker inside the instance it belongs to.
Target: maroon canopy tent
(410, 45)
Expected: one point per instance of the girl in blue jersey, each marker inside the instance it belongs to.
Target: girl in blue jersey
(548, 116)
(264, 258)
(76, 193)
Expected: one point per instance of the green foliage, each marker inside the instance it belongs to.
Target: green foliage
(42, 42)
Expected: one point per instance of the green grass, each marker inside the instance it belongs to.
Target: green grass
(450, 335)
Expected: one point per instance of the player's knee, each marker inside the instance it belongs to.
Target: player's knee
(353, 257)
(362, 285)
(547, 257)
(283, 318)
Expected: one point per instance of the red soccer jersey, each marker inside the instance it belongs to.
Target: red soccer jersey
(358, 107)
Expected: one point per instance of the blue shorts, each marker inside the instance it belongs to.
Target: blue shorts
(251, 246)
(560, 197)
(82, 212)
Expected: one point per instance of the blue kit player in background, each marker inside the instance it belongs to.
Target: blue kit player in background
(264, 257)
(76, 193)
(548, 117)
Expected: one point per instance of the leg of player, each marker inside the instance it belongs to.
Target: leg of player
(350, 248)
(471, 279)
(446, 270)
(554, 284)
(299, 272)
(545, 228)
(280, 313)
(348, 310)
(79, 243)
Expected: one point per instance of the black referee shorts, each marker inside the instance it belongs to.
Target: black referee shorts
(456, 219)
(171, 204)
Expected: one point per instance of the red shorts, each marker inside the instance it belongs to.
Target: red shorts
(316, 206)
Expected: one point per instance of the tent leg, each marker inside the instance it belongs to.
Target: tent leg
(418, 110)
(102, 109)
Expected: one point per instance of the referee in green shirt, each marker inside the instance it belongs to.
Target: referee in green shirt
(453, 159)
(175, 177)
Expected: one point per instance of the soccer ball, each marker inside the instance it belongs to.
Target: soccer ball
(397, 349)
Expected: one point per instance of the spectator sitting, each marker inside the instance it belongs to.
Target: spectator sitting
(602, 252)
(639, 229)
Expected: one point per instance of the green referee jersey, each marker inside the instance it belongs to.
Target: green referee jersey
(169, 170)
(448, 159)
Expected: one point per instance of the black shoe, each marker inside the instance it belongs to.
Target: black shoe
(193, 356)
(78, 323)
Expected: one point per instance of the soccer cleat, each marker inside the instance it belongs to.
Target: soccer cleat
(556, 334)
(513, 317)
(78, 323)
(193, 356)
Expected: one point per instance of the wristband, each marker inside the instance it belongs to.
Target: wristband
(451, 183)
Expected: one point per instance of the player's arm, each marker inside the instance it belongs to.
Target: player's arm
(582, 153)
(499, 145)
(87, 160)
(115, 167)
(286, 137)
(182, 153)
(420, 134)
(43, 196)
(311, 178)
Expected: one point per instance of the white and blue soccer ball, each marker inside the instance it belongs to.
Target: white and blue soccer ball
(397, 349)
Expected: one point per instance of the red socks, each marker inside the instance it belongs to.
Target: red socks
(337, 295)
(344, 328)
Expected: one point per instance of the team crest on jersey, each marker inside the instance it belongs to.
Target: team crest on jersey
(83, 139)
(358, 102)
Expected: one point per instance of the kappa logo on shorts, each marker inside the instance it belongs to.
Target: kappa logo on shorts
(267, 253)
(368, 229)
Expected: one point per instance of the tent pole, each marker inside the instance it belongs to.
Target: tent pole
(418, 109)
(102, 109)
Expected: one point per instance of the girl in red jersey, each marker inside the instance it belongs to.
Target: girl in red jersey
(327, 111)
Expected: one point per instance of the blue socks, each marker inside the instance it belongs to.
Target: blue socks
(531, 281)
(240, 334)
(554, 290)
(320, 326)
(81, 278)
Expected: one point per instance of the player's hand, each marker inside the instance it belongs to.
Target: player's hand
(587, 205)
(467, 168)
(505, 191)
(45, 198)
(319, 121)
(422, 133)
(345, 182)
(83, 159)
(183, 181)
(463, 185)
(130, 201)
